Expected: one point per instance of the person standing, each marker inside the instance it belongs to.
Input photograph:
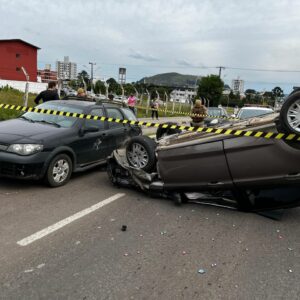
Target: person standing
(131, 103)
(198, 114)
(154, 109)
(49, 94)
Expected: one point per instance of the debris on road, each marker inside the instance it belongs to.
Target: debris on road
(124, 227)
(40, 266)
(28, 271)
(201, 271)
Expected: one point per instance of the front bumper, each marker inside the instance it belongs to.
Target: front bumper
(23, 167)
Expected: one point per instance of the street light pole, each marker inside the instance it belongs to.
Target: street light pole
(92, 74)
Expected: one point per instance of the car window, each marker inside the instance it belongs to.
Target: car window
(129, 115)
(214, 111)
(250, 113)
(116, 114)
(95, 123)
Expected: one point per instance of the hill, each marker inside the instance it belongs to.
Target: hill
(172, 80)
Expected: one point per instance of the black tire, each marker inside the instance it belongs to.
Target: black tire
(140, 153)
(161, 132)
(64, 162)
(284, 120)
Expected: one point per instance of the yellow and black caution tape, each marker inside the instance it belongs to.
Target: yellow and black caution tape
(235, 132)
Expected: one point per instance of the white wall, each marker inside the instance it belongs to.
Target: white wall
(34, 87)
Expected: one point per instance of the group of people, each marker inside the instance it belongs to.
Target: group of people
(52, 94)
(198, 112)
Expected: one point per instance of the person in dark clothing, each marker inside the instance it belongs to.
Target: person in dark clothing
(49, 94)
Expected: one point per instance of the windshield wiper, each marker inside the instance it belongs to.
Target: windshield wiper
(50, 123)
(27, 119)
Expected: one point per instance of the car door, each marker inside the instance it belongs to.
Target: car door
(258, 161)
(94, 139)
(198, 164)
(118, 131)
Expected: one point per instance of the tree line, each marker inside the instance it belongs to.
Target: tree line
(210, 87)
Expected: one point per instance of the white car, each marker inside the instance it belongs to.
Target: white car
(253, 111)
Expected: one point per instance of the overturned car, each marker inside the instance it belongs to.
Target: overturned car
(241, 172)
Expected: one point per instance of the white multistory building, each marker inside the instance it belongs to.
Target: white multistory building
(66, 69)
(237, 86)
(182, 96)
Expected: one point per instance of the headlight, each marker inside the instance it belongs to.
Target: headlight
(25, 149)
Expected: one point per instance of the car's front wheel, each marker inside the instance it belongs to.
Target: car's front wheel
(140, 152)
(59, 171)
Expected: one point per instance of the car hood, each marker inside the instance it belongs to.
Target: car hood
(22, 131)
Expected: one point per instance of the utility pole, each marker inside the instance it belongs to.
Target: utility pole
(220, 70)
(92, 74)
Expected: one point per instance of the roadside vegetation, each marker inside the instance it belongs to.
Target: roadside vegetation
(11, 96)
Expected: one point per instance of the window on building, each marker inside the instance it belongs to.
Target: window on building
(18, 55)
(18, 69)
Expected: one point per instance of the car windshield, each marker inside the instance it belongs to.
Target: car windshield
(61, 121)
(250, 113)
(214, 111)
(129, 115)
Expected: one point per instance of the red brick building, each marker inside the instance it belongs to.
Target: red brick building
(47, 75)
(15, 54)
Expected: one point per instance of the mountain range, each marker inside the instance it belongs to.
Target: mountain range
(172, 80)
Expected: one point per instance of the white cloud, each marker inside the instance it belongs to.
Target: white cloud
(173, 35)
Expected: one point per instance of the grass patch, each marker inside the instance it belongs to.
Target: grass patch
(12, 96)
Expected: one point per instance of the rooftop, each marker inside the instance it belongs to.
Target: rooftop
(21, 41)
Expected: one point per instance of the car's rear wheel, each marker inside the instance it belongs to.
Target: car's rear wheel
(59, 171)
(290, 114)
(140, 152)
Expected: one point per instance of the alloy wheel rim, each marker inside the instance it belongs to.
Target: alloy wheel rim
(60, 171)
(138, 156)
(293, 116)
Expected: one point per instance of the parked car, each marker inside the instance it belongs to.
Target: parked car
(241, 172)
(217, 116)
(53, 147)
(253, 111)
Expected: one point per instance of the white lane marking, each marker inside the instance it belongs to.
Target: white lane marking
(42, 233)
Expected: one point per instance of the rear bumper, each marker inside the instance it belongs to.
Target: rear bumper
(23, 167)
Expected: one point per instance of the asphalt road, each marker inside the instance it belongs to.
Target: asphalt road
(244, 256)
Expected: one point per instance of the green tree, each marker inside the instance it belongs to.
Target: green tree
(211, 87)
(277, 92)
(99, 87)
(114, 87)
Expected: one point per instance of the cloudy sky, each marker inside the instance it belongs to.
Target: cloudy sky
(151, 37)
